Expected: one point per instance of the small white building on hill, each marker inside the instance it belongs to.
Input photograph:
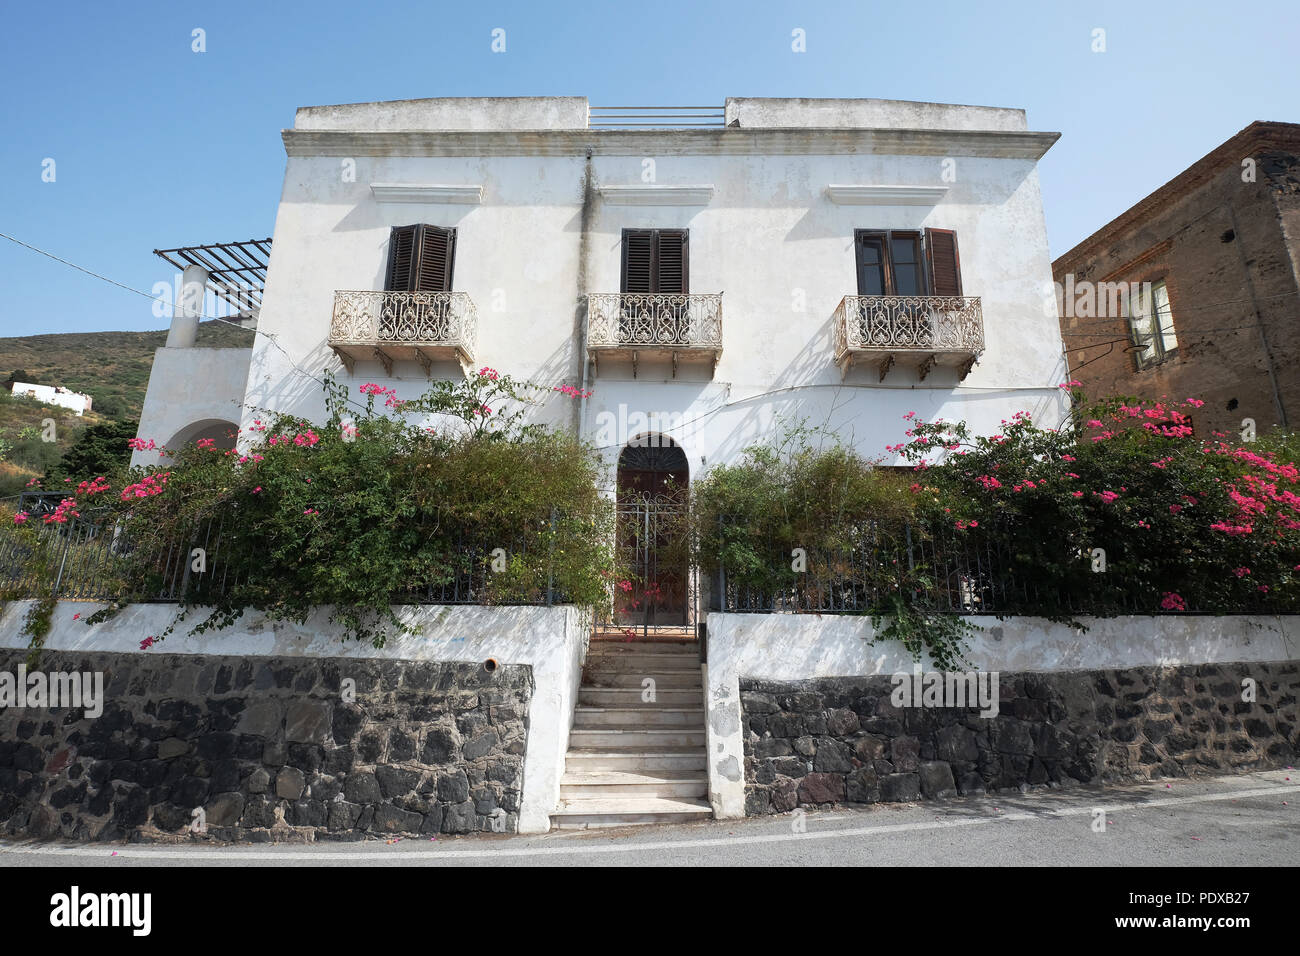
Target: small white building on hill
(52, 395)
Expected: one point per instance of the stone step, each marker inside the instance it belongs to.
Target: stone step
(662, 760)
(633, 696)
(633, 648)
(594, 812)
(629, 738)
(683, 680)
(575, 785)
(642, 665)
(639, 717)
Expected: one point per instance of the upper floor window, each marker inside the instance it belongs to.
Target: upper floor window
(420, 259)
(1151, 324)
(907, 262)
(656, 260)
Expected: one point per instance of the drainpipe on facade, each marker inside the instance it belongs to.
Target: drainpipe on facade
(584, 251)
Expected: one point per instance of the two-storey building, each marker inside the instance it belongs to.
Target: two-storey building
(708, 277)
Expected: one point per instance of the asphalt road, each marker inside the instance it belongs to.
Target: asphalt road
(1244, 820)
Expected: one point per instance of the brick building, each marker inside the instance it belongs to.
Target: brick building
(1192, 293)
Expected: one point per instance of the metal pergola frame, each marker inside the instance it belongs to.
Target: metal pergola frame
(236, 270)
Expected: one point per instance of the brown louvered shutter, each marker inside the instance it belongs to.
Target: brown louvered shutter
(437, 256)
(401, 258)
(673, 262)
(945, 266)
(638, 257)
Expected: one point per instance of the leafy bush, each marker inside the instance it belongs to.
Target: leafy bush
(368, 510)
(1180, 523)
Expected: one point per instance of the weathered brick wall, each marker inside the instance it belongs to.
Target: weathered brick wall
(269, 747)
(837, 740)
(1229, 257)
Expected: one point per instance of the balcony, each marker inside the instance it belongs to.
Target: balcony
(919, 330)
(413, 326)
(656, 326)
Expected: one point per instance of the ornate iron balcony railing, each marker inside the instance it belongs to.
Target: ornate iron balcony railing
(939, 330)
(655, 319)
(403, 325)
(655, 323)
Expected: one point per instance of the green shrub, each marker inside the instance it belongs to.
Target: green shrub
(367, 510)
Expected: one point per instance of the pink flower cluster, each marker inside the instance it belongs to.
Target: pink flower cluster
(390, 396)
(490, 374)
(1172, 602)
(571, 391)
(147, 487)
(68, 506)
(140, 444)
(94, 487)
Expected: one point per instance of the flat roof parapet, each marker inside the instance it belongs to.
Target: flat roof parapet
(827, 113)
(452, 114)
(555, 113)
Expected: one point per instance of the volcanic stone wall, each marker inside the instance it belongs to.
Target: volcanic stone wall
(840, 740)
(269, 749)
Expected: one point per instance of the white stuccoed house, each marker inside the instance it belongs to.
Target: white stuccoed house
(839, 261)
(710, 276)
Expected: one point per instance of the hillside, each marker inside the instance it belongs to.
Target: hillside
(111, 367)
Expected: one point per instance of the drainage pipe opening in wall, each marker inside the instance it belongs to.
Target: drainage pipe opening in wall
(490, 664)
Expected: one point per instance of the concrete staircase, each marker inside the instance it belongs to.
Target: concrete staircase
(632, 761)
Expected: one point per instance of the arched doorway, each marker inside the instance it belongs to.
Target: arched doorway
(222, 434)
(653, 483)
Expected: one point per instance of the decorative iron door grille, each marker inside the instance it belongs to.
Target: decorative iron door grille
(653, 540)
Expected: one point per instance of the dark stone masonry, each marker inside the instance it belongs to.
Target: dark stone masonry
(840, 740)
(269, 748)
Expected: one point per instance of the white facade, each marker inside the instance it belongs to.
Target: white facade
(194, 393)
(53, 395)
(771, 202)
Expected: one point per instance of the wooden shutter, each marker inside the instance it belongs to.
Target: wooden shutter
(420, 259)
(638, 259)
(656, 260)
(673, 262)
(437, 255)
(401, 258)
(945, 265)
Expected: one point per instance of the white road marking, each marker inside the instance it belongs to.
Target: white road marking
(195, 853)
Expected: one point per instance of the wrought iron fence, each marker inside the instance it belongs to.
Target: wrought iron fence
(939, 572)
(946, 571)
(90, 558)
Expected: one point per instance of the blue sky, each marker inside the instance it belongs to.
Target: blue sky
(157, 146)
